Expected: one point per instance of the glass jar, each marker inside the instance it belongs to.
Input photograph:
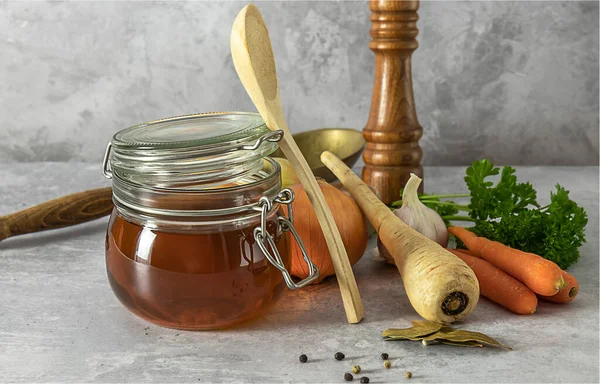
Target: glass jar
(197, 239)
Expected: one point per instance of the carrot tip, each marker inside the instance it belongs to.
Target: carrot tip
(573, 292)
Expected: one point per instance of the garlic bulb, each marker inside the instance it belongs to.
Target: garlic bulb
(419, 217)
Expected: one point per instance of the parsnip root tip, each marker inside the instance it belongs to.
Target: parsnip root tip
(455, 303)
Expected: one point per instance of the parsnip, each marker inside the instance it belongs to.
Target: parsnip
(440, 286)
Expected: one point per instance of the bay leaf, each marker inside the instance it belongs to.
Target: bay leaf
(428, 324)
(448, 342)
(420, 329)
(462, 336)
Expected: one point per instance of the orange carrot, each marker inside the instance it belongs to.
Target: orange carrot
(465, 251)
(540, 275)
(499, 286)
(566, 294)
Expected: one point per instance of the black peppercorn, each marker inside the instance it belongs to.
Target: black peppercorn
(348, 376)
(303, 358)
(339, 356)
(385, 356)
(364, 380)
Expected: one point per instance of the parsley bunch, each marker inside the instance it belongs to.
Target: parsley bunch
(508, 212)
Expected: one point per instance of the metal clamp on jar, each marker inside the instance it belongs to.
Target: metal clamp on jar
(197, 239)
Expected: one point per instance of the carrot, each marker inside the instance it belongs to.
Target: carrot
(499, 286)
(566, 294)
(540, 275)
(440, 286)
(464, 251)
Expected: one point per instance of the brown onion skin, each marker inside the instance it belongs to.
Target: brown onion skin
(349, 220)
(383, 252)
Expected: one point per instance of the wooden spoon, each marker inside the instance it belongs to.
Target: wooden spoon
(255, 64)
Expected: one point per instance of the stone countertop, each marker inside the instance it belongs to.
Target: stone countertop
(60, 321)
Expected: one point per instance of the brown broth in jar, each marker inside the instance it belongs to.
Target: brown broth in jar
(192, 281)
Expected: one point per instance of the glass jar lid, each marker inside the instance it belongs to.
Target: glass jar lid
(192, 151)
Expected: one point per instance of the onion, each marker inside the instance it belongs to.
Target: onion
(288, 176)
(348, 218)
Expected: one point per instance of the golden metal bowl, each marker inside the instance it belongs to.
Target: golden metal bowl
(347, 144)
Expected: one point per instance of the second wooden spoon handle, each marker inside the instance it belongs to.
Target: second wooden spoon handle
(61, 212)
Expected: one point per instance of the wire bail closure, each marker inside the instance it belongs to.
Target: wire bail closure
(106, 171)
(273, 137)
(264, 238)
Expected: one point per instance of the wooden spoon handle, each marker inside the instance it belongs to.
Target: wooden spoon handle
(343, 269)
(61, 212)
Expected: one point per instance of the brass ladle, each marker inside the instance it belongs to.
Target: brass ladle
(346, 144)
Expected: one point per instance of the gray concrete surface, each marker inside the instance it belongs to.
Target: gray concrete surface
(60, 322)
(519, 79)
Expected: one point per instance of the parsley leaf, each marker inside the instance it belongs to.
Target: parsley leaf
(507, 197)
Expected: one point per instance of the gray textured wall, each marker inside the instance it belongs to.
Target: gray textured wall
(513, 81)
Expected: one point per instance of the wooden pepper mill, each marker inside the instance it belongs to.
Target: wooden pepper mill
(392, 132)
